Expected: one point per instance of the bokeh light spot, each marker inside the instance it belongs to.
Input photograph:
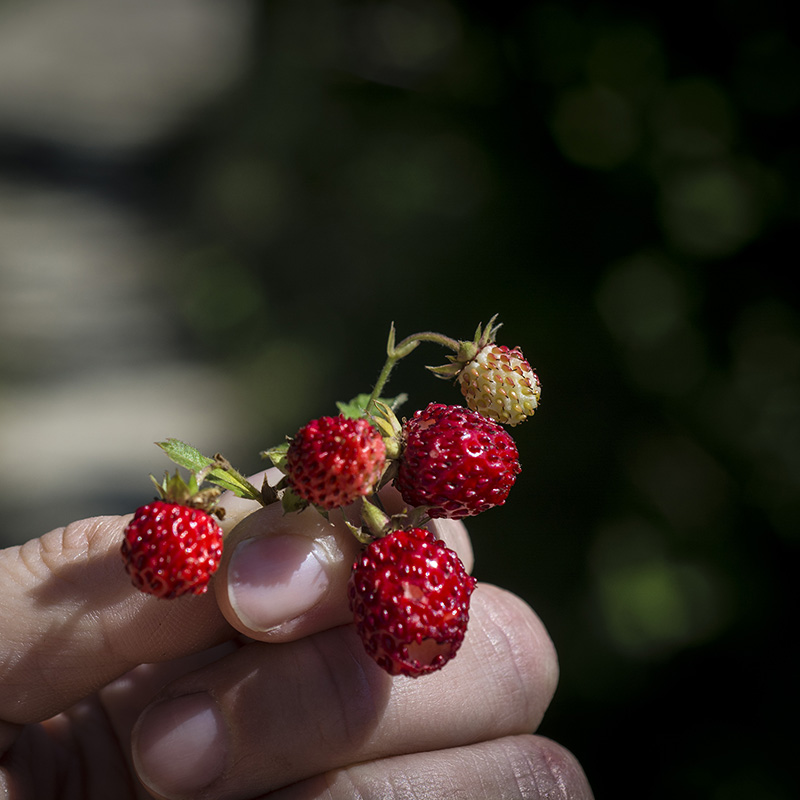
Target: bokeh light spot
(693, 119)
(402, 41)
(652, 604)
(710, 211)
(641, 299)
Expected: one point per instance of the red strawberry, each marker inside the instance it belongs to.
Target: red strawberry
(456, 462)
(409, 594)
(334, 460)
(171, 549)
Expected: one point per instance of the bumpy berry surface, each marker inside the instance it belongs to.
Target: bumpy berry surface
(170, 549)
(409, 594)
(334, 460)
(500, 384)
(456, 462)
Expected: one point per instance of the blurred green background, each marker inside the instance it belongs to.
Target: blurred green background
(215, 249)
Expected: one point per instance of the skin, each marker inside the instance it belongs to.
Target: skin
(260, 687)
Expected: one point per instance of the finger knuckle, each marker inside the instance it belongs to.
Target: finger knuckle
(519, 653)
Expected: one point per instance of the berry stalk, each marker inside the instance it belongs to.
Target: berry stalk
(395, 352)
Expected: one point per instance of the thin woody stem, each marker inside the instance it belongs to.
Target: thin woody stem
(401, 350)
(380, 383)
(430, 336)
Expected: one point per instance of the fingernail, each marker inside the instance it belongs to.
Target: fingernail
(275, 580)
(181, 745)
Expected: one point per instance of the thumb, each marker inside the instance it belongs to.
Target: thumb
(284, 576)
(72, 622)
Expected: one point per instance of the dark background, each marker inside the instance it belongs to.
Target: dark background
(618, 183)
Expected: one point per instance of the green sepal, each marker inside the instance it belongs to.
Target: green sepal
(175, 489)
(417, 517)
(277, 455)
(376, 520)
(486, 335)
(446, 371)
(467, 350)
(361, 535)
(292, 502)
(269, 494)
(385, 426)
(386, 420)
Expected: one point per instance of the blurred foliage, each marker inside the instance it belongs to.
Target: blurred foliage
(619, 183)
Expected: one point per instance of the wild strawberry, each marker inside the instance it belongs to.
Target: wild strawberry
(456, 462)
(496, 381)
(409, 594)
(171, 549)
(500, 384)
(334, 460)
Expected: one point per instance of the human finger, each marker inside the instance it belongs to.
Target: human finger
(523, 766)
(271, 715)
(95, 732)
(72, 621)
(284, 576)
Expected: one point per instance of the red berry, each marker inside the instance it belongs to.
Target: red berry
(334, 460)
(456, 462)
(171, 549)
(409, 594)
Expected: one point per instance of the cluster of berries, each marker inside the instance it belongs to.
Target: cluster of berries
(409, 593)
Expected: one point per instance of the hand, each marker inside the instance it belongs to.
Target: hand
(259, 688)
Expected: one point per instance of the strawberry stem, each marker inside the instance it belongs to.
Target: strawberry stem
(394, 352)
(430, 336)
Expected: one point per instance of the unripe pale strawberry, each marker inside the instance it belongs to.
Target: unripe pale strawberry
(500, 384)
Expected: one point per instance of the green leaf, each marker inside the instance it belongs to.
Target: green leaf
(232, 482)
(354, 408)
(184, 455)
(357, 407)
(394, 402)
